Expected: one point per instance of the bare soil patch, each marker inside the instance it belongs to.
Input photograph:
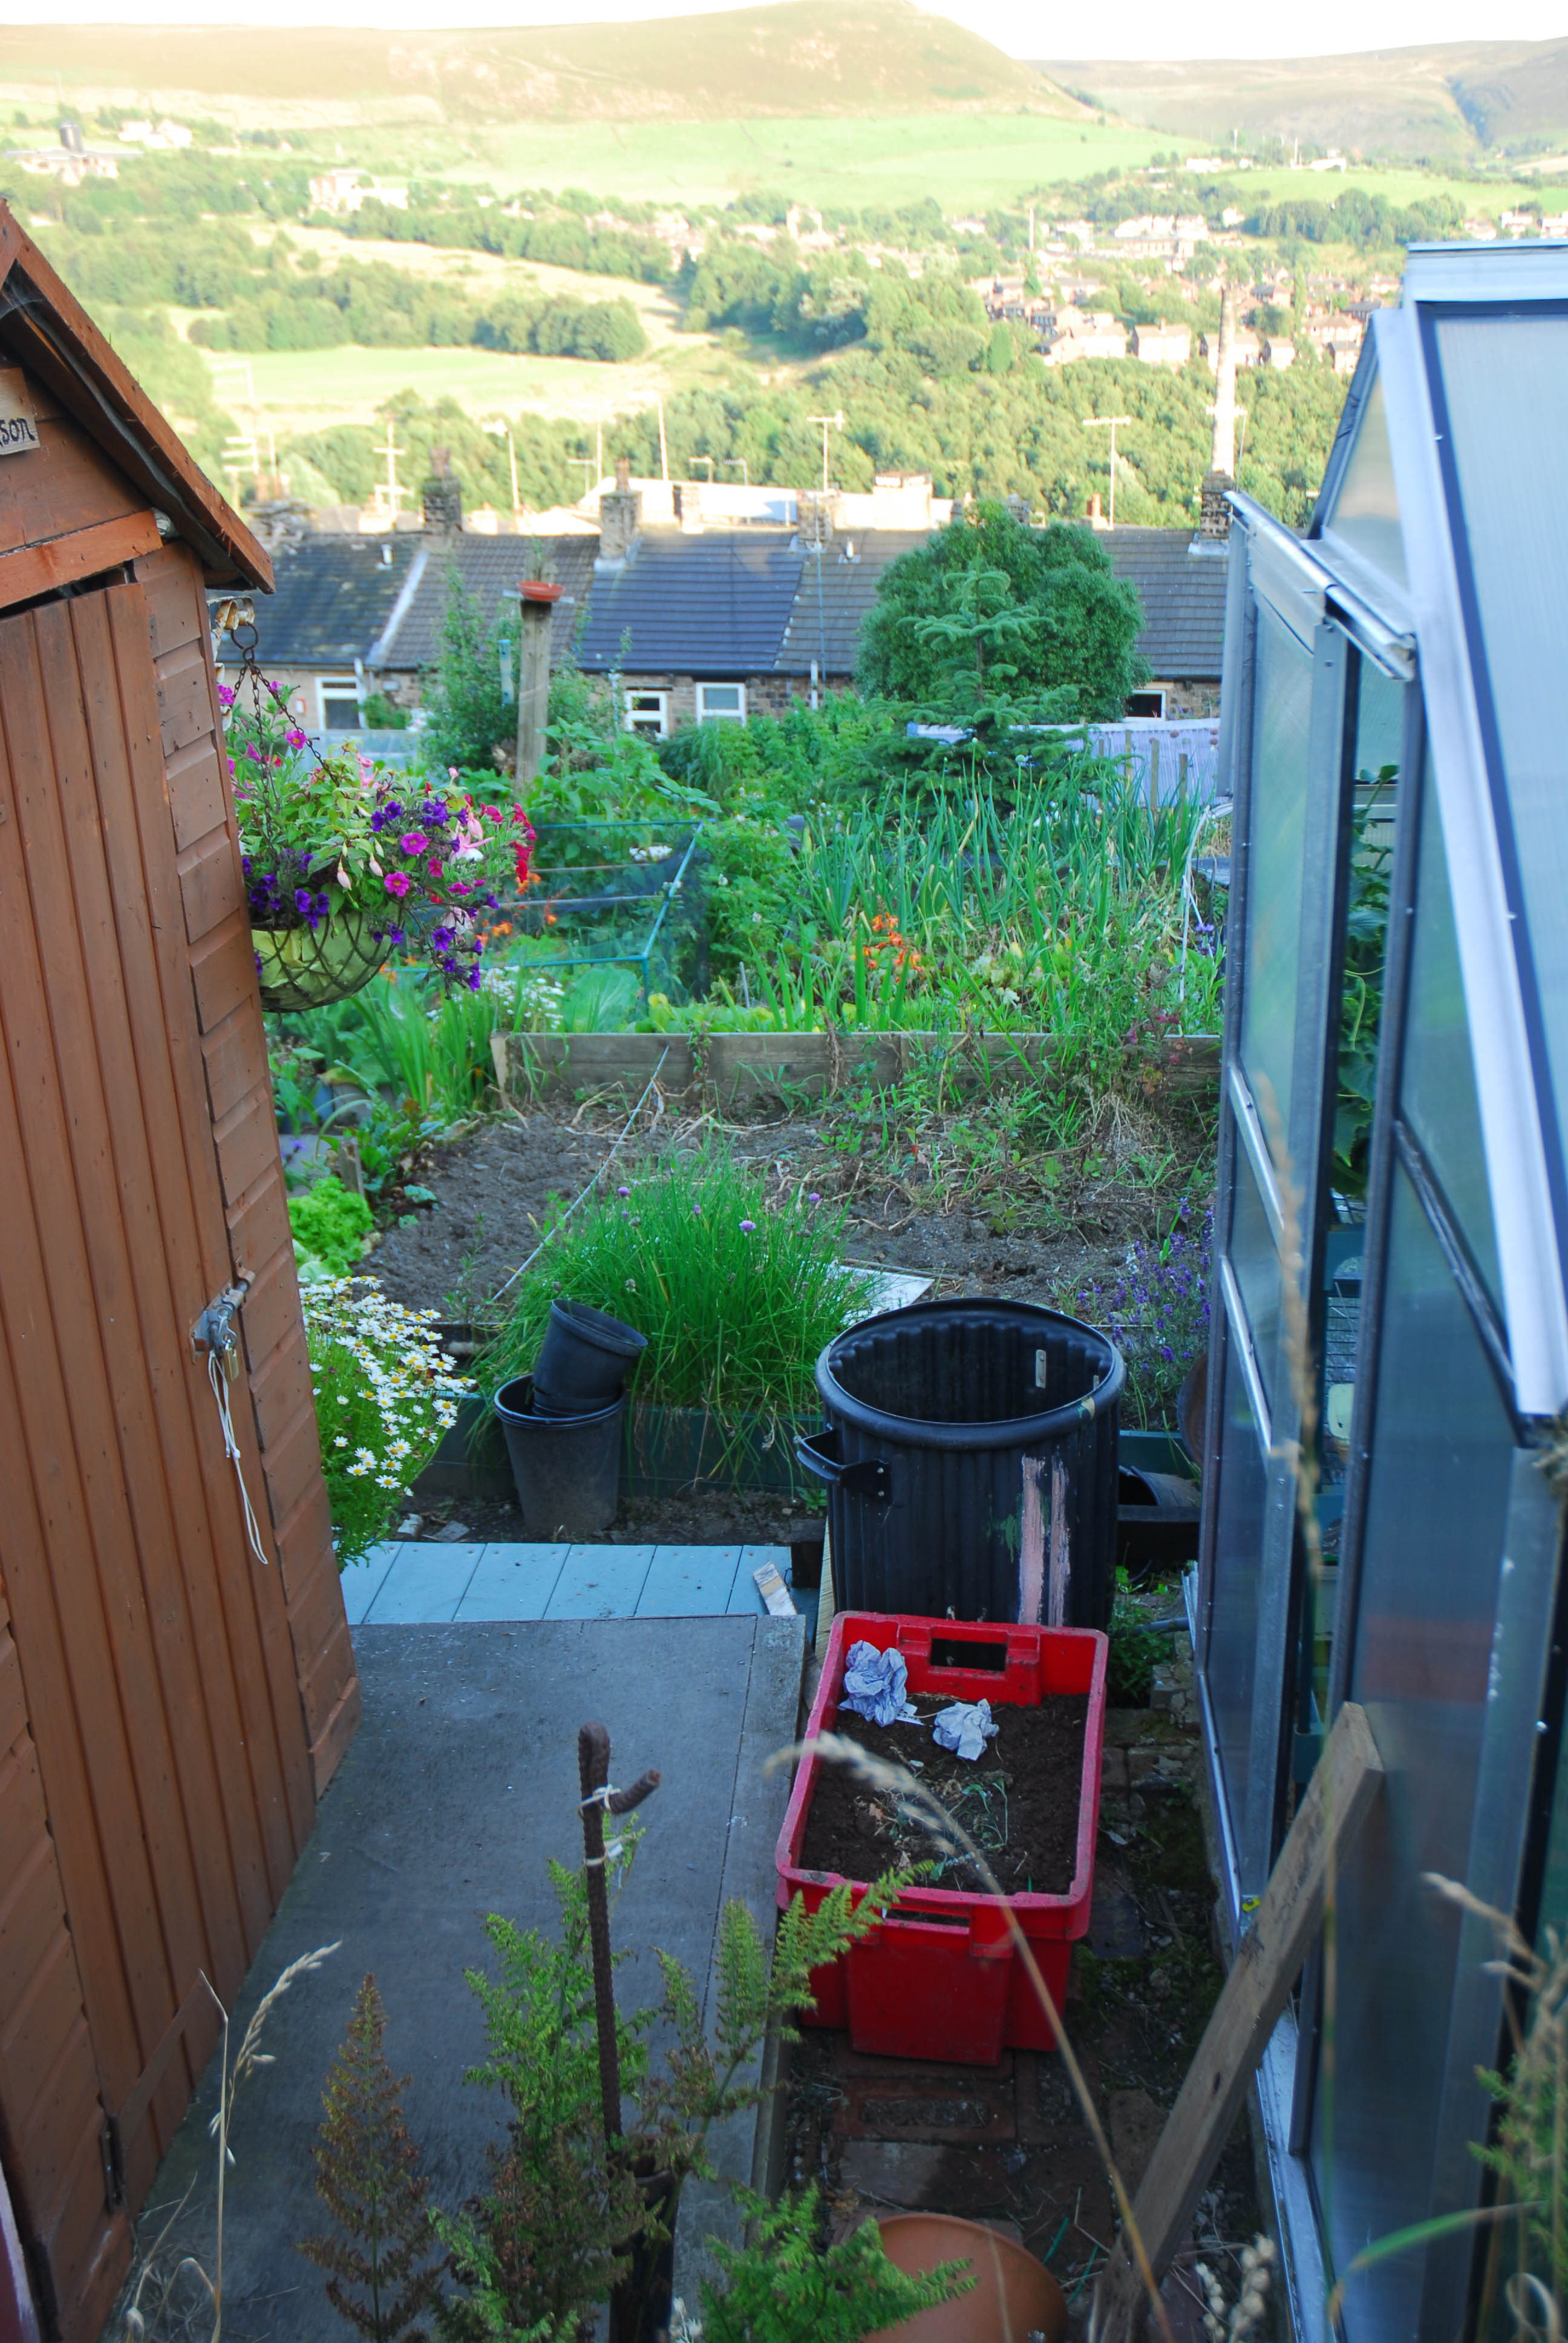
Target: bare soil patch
(1017, 1800)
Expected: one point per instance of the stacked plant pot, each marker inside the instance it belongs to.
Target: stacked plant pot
(562, 1425)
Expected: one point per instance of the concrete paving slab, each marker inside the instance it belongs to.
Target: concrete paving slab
(513, 1582)
(688, 1582)
(362, 1581)
(425, 1582)
(461, 1783)
(600, 1581)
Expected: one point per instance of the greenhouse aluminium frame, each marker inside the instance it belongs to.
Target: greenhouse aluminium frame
(1416, 634)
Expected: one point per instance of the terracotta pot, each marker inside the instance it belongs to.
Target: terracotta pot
(1013, 2296)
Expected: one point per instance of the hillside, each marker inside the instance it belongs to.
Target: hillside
(1456, 101)
(801, 58)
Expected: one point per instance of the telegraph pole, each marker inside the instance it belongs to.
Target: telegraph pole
(1107, 423)
(828, 423)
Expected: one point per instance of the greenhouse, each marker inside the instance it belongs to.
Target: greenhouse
(1394, 1209)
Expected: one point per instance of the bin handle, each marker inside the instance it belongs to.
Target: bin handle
(869, 1478)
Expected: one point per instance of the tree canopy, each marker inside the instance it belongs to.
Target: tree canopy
(991, 609)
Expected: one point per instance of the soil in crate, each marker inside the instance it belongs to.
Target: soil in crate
(1018, 1801)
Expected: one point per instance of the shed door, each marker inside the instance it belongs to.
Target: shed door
(143, 1627)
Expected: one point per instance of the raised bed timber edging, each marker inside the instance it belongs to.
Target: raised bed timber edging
(737, 1067)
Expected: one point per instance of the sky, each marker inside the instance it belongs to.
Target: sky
(1135, 28)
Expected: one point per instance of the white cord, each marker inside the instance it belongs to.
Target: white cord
(593, 1183)
(215, 1375)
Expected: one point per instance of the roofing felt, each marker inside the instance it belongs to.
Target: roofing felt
(333, 597)
(490, 569)
(1183, 597)
(715, 604)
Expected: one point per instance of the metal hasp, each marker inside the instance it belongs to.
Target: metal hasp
(1389, 1336)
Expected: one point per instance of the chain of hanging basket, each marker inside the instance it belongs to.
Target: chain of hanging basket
(313, 961)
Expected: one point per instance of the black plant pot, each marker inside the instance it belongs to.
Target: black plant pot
(584, 1361)
(567, 1468)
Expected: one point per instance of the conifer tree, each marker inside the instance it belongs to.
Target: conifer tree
(368, 2175)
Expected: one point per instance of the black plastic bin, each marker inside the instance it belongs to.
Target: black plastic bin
(971, 1463)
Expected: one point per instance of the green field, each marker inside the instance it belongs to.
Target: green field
(304, 390)
(962, 159)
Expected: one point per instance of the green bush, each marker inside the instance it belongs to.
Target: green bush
(330, 1225)
(735, 1293)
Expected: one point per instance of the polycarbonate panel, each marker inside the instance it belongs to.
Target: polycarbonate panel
(1380, 732)
(1276, 842)
(1366, 510)
(1231, 1665)
(1256, 1265)
(1442, 1449)
(1505, 384)
(1437, 1095)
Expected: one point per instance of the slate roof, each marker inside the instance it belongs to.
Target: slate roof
(715, 604)
(849, 585)
(333, 598)
(1183, 597)
(490, 568)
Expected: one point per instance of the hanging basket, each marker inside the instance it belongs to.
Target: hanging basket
(302, 969)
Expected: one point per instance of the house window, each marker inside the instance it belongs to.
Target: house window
(1146, 703)
(721, 703)
(339, 704)
(647, 711)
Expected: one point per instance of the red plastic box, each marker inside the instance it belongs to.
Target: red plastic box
(941, 1979)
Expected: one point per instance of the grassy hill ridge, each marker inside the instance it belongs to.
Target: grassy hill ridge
(1456, 100)
(800, 57)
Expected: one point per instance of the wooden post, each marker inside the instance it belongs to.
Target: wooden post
(539, 601)
(1267, 1963)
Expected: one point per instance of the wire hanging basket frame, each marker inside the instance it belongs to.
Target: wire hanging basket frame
(310, 968)
(310, 964)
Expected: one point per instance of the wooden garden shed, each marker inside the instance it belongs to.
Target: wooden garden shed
(170, 1705)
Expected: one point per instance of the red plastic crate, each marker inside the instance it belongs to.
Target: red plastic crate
(941, 1979)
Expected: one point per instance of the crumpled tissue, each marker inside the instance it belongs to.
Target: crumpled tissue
(874, 1685)
(965, 1727)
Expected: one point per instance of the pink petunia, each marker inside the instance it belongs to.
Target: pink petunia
(397, 883)
(413, 841)
(294, 740)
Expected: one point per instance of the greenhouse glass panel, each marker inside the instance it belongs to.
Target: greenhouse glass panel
(1437, 1502)
(1256, 1264)
(1230, 1663)
(1438, 1091)
(1366, 510)
(1505, 384)
(1276, 848)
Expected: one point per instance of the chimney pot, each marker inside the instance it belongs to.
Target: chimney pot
(442, 496)
(620, 522)
(623, 474)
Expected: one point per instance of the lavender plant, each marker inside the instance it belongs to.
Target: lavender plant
(1157, 1311)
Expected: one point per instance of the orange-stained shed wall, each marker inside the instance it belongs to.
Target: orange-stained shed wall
(172, 1706)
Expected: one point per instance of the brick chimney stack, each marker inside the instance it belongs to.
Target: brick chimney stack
(1214, 513)
(619, 520)
(689, 507)
(442, 496)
